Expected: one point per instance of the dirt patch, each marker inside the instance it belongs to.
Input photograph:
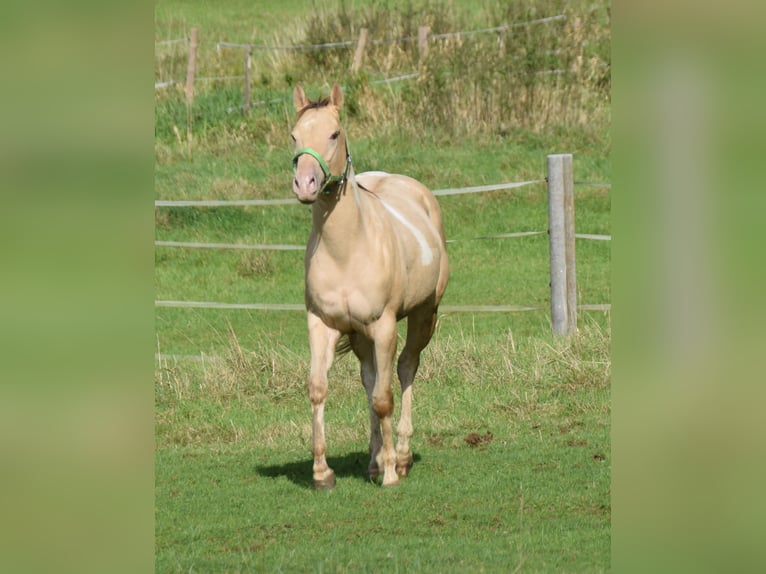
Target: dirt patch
(475, 439)
(577, 442)
(567, 428)
(435, 440)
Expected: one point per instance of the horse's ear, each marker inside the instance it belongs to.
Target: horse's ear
(299, 98)
(336, 96)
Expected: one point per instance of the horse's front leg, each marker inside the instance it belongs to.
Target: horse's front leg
(383, 333)
(322, 341)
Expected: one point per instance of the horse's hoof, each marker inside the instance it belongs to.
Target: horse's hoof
(327, 483)
(404, 470)
(372, 473)
(392, 483)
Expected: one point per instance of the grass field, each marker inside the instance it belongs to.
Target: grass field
(511, 442)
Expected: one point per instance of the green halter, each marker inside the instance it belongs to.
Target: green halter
(329, 178)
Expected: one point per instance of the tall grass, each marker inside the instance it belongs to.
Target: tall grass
(510, 382)
(530, 76)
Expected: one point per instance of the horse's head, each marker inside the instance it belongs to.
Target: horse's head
(320, 146)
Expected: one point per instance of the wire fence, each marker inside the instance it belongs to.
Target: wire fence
(287, 247)
(348, 44)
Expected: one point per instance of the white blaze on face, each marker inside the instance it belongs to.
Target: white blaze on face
(426, 255)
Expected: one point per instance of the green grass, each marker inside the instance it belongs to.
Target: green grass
(233, 434)
(519, 266)
(254, 512)
(234, 485)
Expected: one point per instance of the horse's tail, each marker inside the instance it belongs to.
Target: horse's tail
(343, 346)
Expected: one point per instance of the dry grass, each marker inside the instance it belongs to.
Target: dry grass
(531, 77)
(462, 384)
(255, 264)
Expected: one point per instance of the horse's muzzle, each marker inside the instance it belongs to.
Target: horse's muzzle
(307, 180)
(305, 187)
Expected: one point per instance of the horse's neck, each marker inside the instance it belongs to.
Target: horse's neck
(339, 219)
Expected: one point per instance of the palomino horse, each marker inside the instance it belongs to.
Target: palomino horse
(376, 254)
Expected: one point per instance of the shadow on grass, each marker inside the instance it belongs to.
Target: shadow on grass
(351, 465)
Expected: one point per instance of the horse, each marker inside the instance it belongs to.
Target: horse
(376, 254)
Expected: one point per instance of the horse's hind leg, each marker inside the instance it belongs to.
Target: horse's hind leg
(420, 328)
(365, 351)
(383, 333)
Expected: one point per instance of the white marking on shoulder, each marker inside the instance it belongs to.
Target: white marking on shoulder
(426, 255)
(373, 173)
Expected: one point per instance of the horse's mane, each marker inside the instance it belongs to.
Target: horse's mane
(324, 102)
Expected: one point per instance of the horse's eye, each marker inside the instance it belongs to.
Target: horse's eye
(293, 138)
(335, 135)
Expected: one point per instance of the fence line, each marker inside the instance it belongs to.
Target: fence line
(411, 76)
(422, 38)
(223, 202)
(342, 44)
(593, 236)
(397, 78)
(288, 247)
(561, 235)
(263, 202)
(501, 28)
(483, 188)
(501, 236)
(346, 43)
(302, 307)
(261, 247)
(253, 202)
(242, 306)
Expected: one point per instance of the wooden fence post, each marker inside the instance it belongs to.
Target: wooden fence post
(562, 244)
(248, 63)
(423, 42)
(569, 234)
(192, 65)
(359, 53)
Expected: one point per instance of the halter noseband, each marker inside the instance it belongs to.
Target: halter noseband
(329, 178)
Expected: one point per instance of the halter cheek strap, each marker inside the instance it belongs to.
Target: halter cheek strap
(329, 179)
